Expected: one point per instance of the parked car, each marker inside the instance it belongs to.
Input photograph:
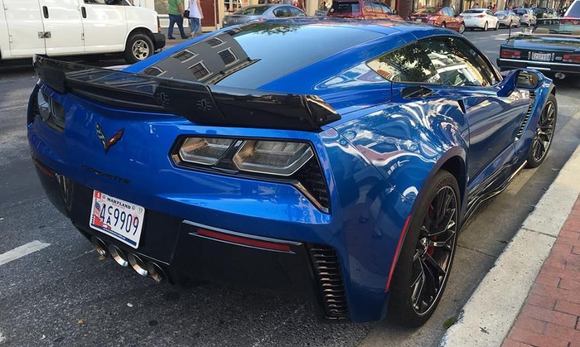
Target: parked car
(440, 17)
(236, 157)
(262, 12)
(361, 9)
(480, 18)
(526, 15)
(72, 27)
(574, 10)
(508, 19)
(553, 47)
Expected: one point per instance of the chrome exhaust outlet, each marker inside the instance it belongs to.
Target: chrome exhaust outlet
(560, 75)
(118, 255)
(100, 246)
(156, 272)
(138, 264)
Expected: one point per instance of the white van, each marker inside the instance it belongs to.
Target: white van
(70, 27)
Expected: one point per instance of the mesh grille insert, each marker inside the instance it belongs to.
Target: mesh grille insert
(327, 270)
(526, 118)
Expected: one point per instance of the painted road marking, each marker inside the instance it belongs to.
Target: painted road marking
(22, 251)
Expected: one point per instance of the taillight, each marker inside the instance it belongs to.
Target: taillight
(571, 58)
(510, 53)
(480, 15)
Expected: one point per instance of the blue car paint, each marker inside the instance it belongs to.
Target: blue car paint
(377, 160)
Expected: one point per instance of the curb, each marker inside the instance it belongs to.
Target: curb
(490, 312)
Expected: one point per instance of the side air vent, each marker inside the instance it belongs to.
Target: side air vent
(527, 116)
(327, 270)
(312, 180)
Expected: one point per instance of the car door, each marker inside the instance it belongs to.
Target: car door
(459, 73)
(62, 26)
(25, 28)
(104, 24)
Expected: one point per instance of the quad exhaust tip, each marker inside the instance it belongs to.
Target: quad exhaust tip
(138, 264)
(118, 255)
(100, 246)
(155, 272)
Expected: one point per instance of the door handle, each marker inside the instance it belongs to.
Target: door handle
(416, 92)
(84, 11)
(45, 11)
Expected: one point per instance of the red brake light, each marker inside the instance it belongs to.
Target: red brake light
(244, 241)
(571, 58)
(510, 53)
(480, 15)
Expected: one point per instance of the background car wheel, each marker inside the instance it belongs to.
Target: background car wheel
(443, 25)
(461, 28)
(139, 47)
(496, 26)
(544, 134)
(485, 27)
(427, 254)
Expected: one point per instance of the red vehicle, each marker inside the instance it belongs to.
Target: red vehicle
(362, 9)
(444, 17)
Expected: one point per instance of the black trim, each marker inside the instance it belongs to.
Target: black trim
(198, 102)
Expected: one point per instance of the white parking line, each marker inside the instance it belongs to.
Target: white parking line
(22, 251)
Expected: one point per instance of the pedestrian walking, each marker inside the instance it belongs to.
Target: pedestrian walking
(195, 15)
(175, 11)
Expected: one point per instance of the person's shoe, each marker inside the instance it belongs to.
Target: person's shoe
(171, 38)
(184, 37)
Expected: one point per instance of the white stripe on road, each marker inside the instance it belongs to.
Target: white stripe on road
(22, 251)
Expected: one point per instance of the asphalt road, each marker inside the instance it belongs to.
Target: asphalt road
(64, 295)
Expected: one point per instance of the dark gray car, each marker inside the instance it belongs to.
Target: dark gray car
(257, 12)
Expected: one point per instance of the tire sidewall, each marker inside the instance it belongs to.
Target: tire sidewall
(129, 56)
(532, 163)
(400, 306)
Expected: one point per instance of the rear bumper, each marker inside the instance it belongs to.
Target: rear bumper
(553, 67)
(158, 41)
(174, 245)
(475, 23)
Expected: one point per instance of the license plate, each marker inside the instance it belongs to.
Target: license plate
(542, 56)
(117, 218)
(418, 20)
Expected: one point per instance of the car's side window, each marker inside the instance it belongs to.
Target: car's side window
(296, 12)
(457, 63)
(407, 64)
(282, 12)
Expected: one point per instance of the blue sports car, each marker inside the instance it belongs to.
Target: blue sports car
(333, 157)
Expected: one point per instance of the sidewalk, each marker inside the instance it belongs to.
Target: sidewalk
(531, 297)
(551, 314)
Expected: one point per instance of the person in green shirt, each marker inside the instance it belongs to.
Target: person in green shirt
(175, 10)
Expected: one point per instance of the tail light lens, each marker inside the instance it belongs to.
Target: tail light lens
(571, 58)
(510, 53)
(480, 15)
(204, 150)
(289, 162)
(272, 157)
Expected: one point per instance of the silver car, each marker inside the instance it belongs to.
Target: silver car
(507, 18)
(261, 12)
(527, 16)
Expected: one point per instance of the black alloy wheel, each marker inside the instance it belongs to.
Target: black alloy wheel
(427, 255)
(544, 135)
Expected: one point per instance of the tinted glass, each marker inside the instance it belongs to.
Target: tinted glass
(253, 10)
(502, 13)
(435, 61)
(473, 11)
(259, 53)
(457, 63)
(377, 8)
(574, 10)
(345, 8)
(521, 11)
(386, 9)
(296, 12)
(282, 12)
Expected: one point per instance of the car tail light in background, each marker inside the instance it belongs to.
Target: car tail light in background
(510, 53)
(45, 107)
(272, 157)
(204, 150)
(292, 162)
(480, 15)
(571, 58)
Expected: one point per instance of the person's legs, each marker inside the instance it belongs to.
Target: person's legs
(171, 26)
(180, 26)
(195, 26)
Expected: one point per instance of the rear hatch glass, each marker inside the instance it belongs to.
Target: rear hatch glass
(344, 8)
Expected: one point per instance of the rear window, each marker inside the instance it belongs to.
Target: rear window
(252, 11)
(574, 10)
(259, 53)
(426, 10)
(521, 11)
(345, 7)
(473, 11)
(501, 13)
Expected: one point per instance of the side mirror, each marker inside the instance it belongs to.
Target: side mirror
(522, 79)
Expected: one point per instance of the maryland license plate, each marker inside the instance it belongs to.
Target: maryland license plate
(542, 56)
(117, 218)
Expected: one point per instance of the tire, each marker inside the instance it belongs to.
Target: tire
(544, 134)
(406, 307)
(139, 47)
(443, 25)
(485, 27)
(496, 26)
(461, 28)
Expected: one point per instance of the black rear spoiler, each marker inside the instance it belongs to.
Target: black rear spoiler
(199, 103)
